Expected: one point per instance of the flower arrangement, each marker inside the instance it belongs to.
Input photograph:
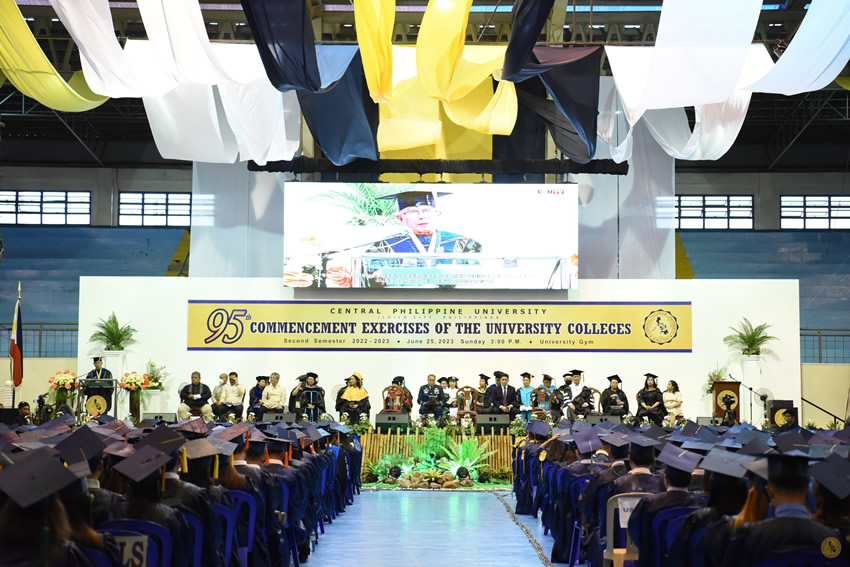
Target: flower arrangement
(133, 381)
(66, 380)
(326, 417)
(363, 427)
(251, 417)
(518, 427)
(714, 376)
(156, 376)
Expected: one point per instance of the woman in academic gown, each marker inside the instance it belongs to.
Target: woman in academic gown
(650, 401)
(614, 401)
(353, 400)
(312, 398)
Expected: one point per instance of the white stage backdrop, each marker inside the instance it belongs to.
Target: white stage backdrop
(158, 308)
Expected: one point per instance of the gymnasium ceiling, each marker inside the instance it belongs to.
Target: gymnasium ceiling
(808, 132)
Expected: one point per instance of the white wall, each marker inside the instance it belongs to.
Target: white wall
(157, 307)
(36, 373)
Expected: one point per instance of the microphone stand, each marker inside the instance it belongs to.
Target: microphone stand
(762, 397)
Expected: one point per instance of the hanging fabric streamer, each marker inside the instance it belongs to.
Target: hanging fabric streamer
(527, 20)
(816, 55)
(374, 21)
(843, 82)
(24, 64)
(343, 120)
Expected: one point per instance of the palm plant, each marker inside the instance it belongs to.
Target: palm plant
(750, 340)
(467, 454)
(112, 335)
(364, 201)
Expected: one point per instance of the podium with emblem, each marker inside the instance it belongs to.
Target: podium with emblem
(726, 395)
(97, 396)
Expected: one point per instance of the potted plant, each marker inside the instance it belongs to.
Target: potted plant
(748, 339)
(112, 335)
(716, 375)
(63, 389)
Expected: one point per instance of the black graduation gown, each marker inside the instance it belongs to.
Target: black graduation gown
(649, 398)
(167, 517)
(640, 522)
(614, 403)
(64, 554)
(312, 395)
(680, 550)
(753, 543)
(103, 505)
(294, 404)
(345, 407)
(585, 396)
(255, 395)
(253, 484)
(564, 515)
(107, 393)
(191, 498)
(298, 498)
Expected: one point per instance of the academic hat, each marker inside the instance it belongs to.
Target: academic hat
(452, 379)
(679, 459)
(342, 429)
(640, 445)
(104, 419)
(787, 466)
(142, 464)
(498, 374)
(726, 463)
(615, 440)
(405, 199)
(163, 439)
(697, 445)
(485, 378)
(258, 378)
(587, 441)
(34, 479)
(650, 375)
(82, 445)
(730, 444)
(791, 441)
(537, 427)
(654, 432)
(200, 449)
(312, 375)
(302, 378)
(225, 448)
(527, 375)
(119, 449)
(576, 372)
(399, 380)
(833, 474)
(231, 433)
(547, 378)
(443, 379)
(615, 377)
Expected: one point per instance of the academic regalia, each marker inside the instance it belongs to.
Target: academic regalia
(523, 400)
(255, 396)
(106, 393)
(650, 397)
(614, 402)
(103, 504)
(187, 497)
(312, 395)
(294, 404)
(755, 542)
(680, 553)
(584, 396)
(354, 402)
(640, 522)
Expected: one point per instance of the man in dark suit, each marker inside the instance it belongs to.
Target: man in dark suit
(504, 397)
(677, 477)
(791, 528)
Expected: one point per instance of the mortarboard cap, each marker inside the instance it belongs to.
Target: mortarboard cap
(342, 429)
(787, 466)
(547, 378)
(147, 424)
(142, 464)
(484, 377)
(231, 433)
(443, 379)
(258, 378)
(654, 432)
(279, 445)
(526, 375)
(312, 375)
(833, 474)
(498, 374)
(730, 444)
(82, 445)
(200, 449)
(697, 445)
(35, 478)
(641, 446)
(791, 441)
(538, 427)
(615, 440)
(758, 467)
(119, 449)
(398, 380)
(193, 425)
(407, 199)
(225, 448)
(587, 441)
(564, 425)
(302, 378)
(690, 428)
(679, 459)
(163, 439)
(104, 419)
(576, 372)
(650, 375)
(726, 463)
(615, 377)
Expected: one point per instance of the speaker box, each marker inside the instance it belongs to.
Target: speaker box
(166, 417)
(279, 417)
(388, 421)
(776, 410)
(495, 422)
(597, 418)
(704, 420)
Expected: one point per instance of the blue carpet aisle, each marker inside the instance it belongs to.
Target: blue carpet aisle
(391, 528)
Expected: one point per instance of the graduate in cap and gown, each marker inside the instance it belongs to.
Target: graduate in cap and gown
(484, 391)
(524, 396)
(614, 401)
(577, 398)
(650, 401)
(353, 399)
(419, 218)
(294, 403)
(255, 395)
(312, 398)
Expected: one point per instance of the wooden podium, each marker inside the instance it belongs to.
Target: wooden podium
(723, 388)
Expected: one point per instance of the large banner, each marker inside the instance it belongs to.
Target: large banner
(462, 326)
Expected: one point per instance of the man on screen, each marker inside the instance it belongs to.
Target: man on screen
(419, 215)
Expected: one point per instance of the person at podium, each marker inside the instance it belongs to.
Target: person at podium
(419, 218)
(100, 373)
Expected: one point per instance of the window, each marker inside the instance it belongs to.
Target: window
(814, 212)
(154, 209)
(721, 212)
(45, 207)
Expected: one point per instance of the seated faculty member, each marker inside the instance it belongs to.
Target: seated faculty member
(195, 396)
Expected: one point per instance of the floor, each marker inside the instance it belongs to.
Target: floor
(412, 528)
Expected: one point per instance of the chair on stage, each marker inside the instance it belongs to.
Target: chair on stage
(613, 555)
(664, 526)
(228, 515)
(241, 500)
(467, 403)
(393, 397)
(539, 398)
(160, 544)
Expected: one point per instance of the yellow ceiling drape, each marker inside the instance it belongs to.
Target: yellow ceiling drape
(24, 64)
(843, 82)
(374, 21)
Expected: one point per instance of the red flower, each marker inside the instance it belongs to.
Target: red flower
(67, 386)
(132, 387)
(53, 386)
(145, 376)
(51, 379)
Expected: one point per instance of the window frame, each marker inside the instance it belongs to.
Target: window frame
(715, 209)
(52, 208)
(166, 209)
(827, 207)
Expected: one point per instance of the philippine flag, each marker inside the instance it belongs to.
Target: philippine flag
(16, 346)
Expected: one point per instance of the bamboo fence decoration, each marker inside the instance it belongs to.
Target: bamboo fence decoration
(376, 445)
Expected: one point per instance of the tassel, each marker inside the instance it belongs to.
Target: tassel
(215, 470)
(162, 480)
(248, 440)
(266, 460)
(184, 463)
(232, 459)
(312, 449)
